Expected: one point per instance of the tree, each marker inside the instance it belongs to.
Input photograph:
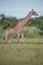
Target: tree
(7, 21)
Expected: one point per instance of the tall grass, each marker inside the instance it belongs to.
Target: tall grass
(18, 54)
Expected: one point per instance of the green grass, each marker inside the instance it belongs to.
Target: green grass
(27, 39)
(18, 54)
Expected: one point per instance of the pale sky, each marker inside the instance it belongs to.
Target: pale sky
(20, 8)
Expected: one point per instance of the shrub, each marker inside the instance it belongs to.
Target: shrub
(32, 31)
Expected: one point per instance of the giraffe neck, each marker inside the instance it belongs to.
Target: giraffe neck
(27, 18)
(21, 23)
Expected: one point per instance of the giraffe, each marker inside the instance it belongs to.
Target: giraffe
(18, 28)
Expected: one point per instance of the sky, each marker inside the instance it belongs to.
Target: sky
(20, 8)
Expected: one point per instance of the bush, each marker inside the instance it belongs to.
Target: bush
(32, 31)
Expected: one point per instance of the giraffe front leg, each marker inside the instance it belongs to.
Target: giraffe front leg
(9, 43)
(18, 36)
(9, 38)
(22, 36)
(17, 41)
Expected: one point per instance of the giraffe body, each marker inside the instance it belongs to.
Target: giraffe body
(18, 28)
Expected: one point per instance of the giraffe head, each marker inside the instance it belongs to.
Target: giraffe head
(34, 13)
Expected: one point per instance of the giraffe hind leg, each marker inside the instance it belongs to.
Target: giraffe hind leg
(5, 40)
(3, 43)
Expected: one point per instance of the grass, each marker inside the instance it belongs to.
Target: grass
(28, 39)
(18, 54)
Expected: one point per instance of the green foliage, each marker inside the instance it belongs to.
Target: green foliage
(34, 27)
(7, 21)
(32, 31)
(37, 22)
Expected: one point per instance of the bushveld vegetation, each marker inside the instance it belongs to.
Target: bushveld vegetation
(34, 27)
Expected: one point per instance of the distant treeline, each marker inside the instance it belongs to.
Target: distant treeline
(34, 24)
